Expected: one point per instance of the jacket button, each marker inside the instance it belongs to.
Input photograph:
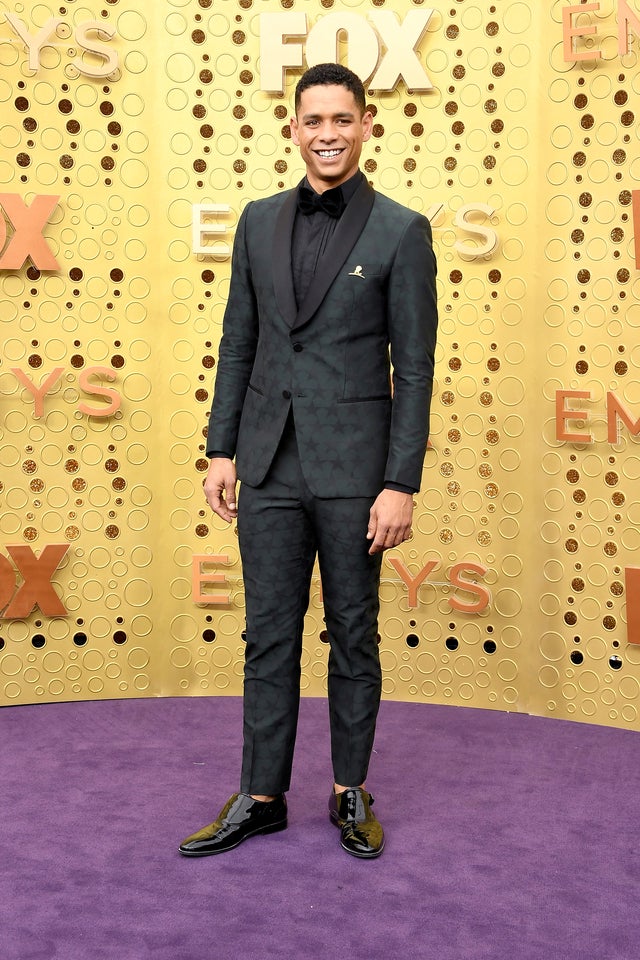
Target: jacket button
(298, 347)
(286, 394)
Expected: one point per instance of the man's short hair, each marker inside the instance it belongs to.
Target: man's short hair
(331, 74)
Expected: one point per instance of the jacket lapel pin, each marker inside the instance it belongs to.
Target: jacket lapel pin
(357, 272)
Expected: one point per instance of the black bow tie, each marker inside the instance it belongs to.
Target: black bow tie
(330, 202)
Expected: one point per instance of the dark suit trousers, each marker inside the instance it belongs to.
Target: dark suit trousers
(281, 526)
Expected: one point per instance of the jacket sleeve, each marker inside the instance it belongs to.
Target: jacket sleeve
(237, 349)
(412, 325)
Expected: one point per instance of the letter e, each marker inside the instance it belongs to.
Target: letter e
(569, 31)
(200, 577)
(562, 415)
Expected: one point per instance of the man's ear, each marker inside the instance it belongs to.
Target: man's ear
(367, 125)
(293, 124)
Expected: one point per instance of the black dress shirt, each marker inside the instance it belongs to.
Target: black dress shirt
(310, 237)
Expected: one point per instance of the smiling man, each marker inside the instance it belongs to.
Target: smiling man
(332, 288)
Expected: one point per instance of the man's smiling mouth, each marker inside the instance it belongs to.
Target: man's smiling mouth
(328, 154)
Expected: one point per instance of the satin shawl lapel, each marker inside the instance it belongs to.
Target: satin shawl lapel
(281, 247)
(340, 246)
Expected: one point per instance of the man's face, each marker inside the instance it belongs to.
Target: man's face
(330, 132)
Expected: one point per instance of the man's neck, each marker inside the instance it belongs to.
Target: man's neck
(349, 185)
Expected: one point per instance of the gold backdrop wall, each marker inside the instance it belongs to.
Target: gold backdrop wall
(519, 590)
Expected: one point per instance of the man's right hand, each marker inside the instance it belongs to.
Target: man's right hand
(220, 488)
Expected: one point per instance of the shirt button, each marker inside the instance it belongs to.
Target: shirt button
(286, 394)
(298, 347)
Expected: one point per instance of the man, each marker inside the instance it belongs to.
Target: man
(327, 280)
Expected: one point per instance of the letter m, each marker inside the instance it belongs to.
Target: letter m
(615, 410)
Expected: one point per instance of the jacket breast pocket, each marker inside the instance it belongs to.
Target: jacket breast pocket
(367, 287)
(365, 271)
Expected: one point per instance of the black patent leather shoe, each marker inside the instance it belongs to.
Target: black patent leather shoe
(362, 834)
(240, 818)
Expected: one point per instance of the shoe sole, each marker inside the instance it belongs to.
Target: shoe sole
(272, 828)
(363, 856)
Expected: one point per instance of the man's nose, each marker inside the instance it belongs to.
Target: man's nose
(328, 132)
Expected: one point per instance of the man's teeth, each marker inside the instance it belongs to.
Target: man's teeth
(327, 154)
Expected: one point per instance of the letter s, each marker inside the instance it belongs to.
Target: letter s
(489, 236)
(110, 57)
(98, 391)
(481, 592)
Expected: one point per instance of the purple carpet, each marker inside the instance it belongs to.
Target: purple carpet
(508, 837)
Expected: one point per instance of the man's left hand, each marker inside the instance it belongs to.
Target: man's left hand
(390, 520)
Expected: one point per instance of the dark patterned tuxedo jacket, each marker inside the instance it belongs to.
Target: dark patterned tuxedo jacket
(372, 300)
